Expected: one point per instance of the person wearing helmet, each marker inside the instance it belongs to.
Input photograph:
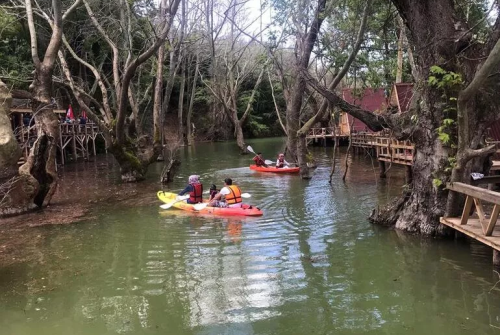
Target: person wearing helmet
(195, 190)
(259, 161)
(281, 162)
(228, 196)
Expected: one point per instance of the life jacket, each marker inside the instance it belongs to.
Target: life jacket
(196, 195)
(281, 162)
(235, 196)
(258, 161)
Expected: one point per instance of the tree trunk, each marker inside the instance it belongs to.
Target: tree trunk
(419, 211)
(9, 148)
(135, 158)
(41, 162)
(190, 135)
(238, 132)
(180, 112)
(304, 46)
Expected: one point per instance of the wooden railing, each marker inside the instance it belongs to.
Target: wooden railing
(476, 196)
(77, 136)
(364, 140)
(323, 132)
(392, 150)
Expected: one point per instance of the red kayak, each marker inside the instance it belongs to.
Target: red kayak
(274, 169)
(244, 210)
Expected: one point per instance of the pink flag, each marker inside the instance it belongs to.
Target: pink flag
(69, 113)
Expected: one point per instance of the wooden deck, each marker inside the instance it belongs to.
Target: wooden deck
(474, 229)
(483, 227)
(78, 138)
(394, 151)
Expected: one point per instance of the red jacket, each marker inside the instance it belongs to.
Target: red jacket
(196, 195)
(259, 161)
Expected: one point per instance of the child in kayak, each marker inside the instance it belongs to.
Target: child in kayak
(213, 192)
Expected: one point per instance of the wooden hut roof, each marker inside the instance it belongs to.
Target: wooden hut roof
(402, 94)
(372, 99)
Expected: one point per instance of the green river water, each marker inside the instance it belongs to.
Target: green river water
(312, 264)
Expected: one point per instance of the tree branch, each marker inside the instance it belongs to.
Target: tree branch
(373, 121)
(347, 64)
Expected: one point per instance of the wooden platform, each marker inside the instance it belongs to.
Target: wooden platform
(474, 229)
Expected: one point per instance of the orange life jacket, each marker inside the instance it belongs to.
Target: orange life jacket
(235, 196)
(196, 195)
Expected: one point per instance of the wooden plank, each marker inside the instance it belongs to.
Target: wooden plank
(466, 212)
(474, 230)
(480, 212)
(493, 221)
(476, 192)
(495, 166)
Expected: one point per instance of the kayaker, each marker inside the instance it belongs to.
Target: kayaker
(213, 192)
(195, 190)
(281, 162)
(228, 196)
(259, 161)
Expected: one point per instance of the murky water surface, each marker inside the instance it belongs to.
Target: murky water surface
(311, 265)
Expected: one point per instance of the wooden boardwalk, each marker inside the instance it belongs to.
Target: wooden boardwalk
(316, 134)
(474, 229)
(79, 138)
(482, 225)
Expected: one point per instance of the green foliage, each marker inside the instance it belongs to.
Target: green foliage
(15, 56)
(448, 83)
(437, 182)
(444, 80)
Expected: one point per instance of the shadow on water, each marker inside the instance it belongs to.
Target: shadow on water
(311, 264)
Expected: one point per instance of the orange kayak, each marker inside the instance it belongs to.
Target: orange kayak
(244, 210)
(274, 169)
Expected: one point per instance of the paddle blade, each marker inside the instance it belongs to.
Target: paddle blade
(166, 206)
(171, 203)
(267, 161)
(249, 148)
(199, 207)
(246, 195)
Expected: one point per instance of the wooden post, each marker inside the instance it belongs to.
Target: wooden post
(73, 141)
(94, 136)
(61, 142)
(409, 174)
(496, 258)
(86, 143)
(382, 169)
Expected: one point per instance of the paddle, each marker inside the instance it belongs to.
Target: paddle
(249, 148)
(171, 203)
(268, 162)
(199, 207)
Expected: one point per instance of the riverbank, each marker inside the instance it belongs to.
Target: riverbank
(82, 187)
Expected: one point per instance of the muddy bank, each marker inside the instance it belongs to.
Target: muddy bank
(83, 186)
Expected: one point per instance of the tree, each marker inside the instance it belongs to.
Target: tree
(37, 180)
(234, 59)
(455, 99)
(133, 151)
